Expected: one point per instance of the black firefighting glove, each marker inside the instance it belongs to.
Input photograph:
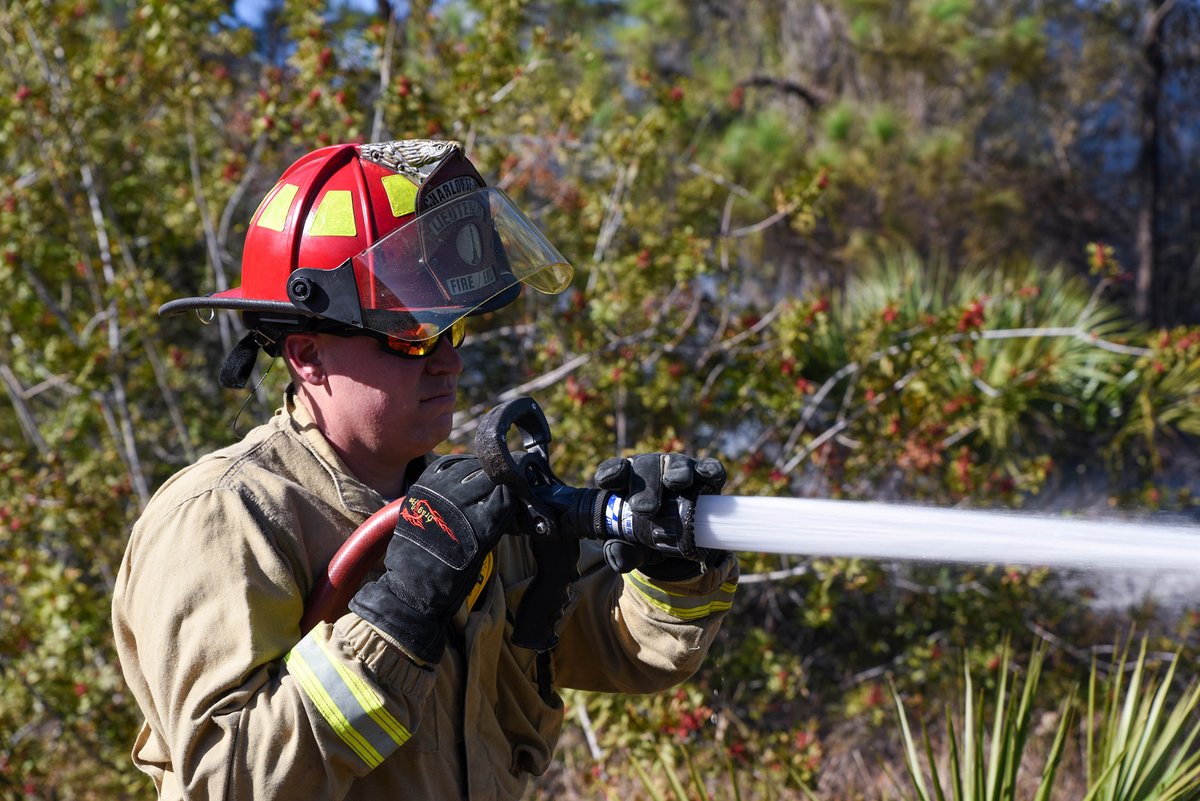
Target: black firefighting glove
(660, 489)
(452, 517)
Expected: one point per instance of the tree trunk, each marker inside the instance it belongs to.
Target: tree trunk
(1146, 284)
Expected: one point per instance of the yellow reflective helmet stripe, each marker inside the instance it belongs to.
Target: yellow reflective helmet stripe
(682, 607)
(276, 208)
(401, 194)
(351, 707)
(334, 215)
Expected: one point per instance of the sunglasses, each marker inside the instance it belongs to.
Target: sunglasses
(410, 349)
(421, 348)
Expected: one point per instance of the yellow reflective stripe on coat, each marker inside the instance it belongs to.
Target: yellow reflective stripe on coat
(351, 707)
(682, 607)
(485, 573)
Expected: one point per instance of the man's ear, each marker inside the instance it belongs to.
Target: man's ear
(303, 355)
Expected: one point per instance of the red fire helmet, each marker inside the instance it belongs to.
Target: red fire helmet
(403, 238)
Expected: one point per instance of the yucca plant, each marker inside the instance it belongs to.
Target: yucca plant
(1142, 744)
(1042, 349)
(1141, 739)
(1002, 365)
(1163, 396)
(979, 767)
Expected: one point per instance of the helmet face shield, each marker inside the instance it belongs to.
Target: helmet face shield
(458, 258)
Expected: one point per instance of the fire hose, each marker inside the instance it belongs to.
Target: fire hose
(562, 515)
(558, 517)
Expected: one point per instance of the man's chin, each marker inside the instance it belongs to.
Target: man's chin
(440, 423)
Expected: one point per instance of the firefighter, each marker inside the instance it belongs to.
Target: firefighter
(360, 270)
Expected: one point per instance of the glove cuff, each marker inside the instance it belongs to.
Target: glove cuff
(672, 568)
(677, 568)
(420, 635)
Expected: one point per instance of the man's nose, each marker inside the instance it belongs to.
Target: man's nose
(445, 358)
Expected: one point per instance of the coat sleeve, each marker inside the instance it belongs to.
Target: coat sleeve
(633, 634)
(206, 613)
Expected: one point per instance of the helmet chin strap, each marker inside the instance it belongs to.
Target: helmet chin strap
(235, 372)
(265, 334)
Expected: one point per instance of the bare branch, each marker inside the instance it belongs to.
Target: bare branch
(216, 259)
(815, 99)
(843, 424)
(128, 441)
(879, 670)
(25, 418)
(1074, 331)
(48, 301)
(721, 180)
(777, 575)
(503, 91)
(814, 403)
(589, 731)
(763, 225)
(764, 322)
(1154, 23)
(467, 421)
(385, 69)
(613, 214)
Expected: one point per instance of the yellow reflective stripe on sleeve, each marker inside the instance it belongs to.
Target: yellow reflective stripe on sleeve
(351, 707)
(682, 607)
(330, 711)
(369, 700)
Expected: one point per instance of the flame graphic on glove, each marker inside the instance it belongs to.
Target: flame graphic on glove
(419, 512)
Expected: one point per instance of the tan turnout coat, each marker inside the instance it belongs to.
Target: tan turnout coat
(238, 705)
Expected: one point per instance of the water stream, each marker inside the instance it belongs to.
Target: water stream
(816, 527)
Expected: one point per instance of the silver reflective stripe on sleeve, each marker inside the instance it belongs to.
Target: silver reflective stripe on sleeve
(351, 707)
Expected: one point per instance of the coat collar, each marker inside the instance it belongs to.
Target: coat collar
(356, 496)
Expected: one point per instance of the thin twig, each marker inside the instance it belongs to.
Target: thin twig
(813, 404)
(764, 224)
(28, 422)
(721, 180)
(137, 474)
(841, 425)
(212, 239)
(765, 321)
(614, 213)
(879, 670)
(468, 420)
(723, 253)
(1073, 331)
(523, 72)
(589, 731)
(776, 575)
(385, 76)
